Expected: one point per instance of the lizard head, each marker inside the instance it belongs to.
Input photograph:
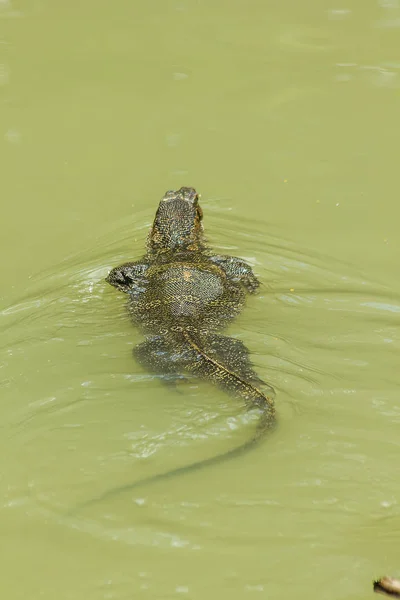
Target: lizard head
(177, 224)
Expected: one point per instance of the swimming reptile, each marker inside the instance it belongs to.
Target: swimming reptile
(181, 295)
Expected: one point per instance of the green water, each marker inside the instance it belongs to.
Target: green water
(284, 115)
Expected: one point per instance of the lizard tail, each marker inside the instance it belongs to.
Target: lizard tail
(211, 364)
(238, 380)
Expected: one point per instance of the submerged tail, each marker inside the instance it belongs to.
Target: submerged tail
(239, 379)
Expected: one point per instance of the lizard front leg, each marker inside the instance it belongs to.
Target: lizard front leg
(237, 271)
(129, 277)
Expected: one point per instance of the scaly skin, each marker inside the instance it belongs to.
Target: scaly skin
(181, 296)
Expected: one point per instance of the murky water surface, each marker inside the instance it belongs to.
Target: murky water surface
(284, 115)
